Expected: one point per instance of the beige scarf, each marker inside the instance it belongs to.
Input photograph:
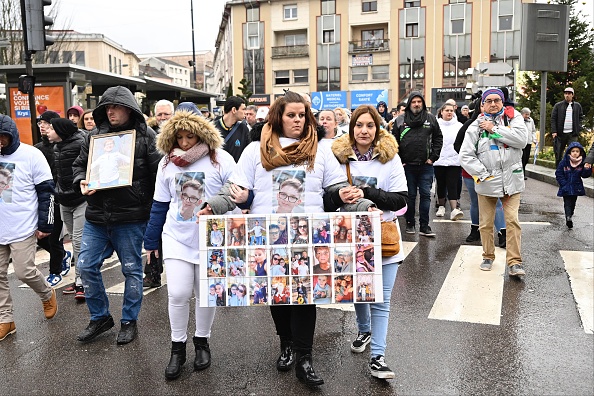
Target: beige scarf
(273, 155)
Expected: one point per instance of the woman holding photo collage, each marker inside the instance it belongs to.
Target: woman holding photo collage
(289, 142)
(370, 150)
(193, 157)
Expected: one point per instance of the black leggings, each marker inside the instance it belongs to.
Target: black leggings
(447, 178)
(569, 202)
(297, 323)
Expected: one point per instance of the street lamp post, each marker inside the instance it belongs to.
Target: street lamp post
(193, 46)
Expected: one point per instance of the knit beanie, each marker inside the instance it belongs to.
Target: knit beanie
(48, 115)
(188, 106)
(492, 91)
(64, 127)
(72, 109)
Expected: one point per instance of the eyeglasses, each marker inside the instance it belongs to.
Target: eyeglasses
(242, 291)
(43, 123)
(186, 197)
(2, 184)
(490, 101)
(303, 226)
(275, 258)
(286, 197)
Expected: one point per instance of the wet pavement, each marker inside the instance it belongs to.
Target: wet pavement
(539, 347)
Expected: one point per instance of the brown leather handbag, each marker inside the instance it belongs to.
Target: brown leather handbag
(390, 235)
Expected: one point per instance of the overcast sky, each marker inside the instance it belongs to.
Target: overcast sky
(145, 26)
(148, 26)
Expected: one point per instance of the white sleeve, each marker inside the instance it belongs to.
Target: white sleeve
(245, 170)
(162, 191)
(40, 169)
(397, 176)
(333, 172)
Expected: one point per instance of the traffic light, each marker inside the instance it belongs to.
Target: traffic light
(36, 21)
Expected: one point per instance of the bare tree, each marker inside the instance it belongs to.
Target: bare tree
(11, 29)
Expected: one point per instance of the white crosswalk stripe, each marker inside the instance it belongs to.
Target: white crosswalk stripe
(580, 268)
(543, 223)
(469, 294)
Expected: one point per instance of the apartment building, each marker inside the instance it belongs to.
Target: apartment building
(353, 52)
(183, 61)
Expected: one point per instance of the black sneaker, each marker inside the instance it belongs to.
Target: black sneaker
(410, 228)
(569, 222)
(379, 368)
(95, 328)
(426, 230)
(362, 340)
(70, 289)
(128, 332)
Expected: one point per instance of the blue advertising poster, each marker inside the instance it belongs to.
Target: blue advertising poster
(371, 97)
(328, 99)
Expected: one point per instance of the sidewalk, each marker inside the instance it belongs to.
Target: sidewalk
(547, 175)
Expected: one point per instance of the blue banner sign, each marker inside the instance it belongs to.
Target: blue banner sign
(328, 99)
(370, 97)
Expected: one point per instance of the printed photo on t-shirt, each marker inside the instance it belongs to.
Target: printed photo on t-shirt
(288, 188)
(6, 181)
(364, 181)
(189, 188)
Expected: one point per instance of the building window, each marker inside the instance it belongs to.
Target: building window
(328, 7)
(457, 1)
(369, 6)
(457, 16)
(66, 56)
(80, 58)
(301, 76)
(281, 77)
(372, 38)
(290, 12)
(334, 84)
(295, 39)
(253, 14)
(54, 57)
(412, 4)
(328, 29)
(359, 73)
(412, 30)
(505, 14)
(380, 72)
(120, 65)
(253, 32)
(110, 63)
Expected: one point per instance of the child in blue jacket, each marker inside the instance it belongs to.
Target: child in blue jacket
(569, 176)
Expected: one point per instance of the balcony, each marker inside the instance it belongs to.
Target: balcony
(382, 45)
(290, 51)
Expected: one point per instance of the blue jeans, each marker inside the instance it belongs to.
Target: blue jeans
(99, 243)
(474, 208)
(374, 317)
(418, 177)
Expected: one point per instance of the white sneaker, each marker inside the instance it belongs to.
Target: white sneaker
(440, 212)
(456, 214)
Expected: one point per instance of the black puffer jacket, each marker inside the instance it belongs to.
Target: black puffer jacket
(65, 153)
(124, 204)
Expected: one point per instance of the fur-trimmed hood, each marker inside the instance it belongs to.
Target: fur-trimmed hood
(207, 133)
(384, 151)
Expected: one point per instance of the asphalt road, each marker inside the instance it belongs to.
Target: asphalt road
(539, 347)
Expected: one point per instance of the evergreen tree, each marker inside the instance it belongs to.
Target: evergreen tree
(246, 93)
(230, 89)
(579, 75)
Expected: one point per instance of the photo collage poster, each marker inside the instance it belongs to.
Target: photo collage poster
(290, 258)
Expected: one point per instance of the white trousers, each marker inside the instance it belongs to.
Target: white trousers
(182, 279)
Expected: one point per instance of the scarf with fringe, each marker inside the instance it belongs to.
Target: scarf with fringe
(302, 152)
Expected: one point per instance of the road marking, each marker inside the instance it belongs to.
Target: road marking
(407, 246)
(469, 294)
(544, 223)
(580, 268)
(119, 288)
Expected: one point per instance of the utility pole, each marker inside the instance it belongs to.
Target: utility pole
(193, 46)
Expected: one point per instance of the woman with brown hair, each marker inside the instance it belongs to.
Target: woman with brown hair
(289, 141)
(86, 121)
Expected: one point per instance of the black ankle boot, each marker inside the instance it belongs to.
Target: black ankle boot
(502, 238)
(202, 359)
(286, 358)
(474, 235)
(305, 372)
(178, 358)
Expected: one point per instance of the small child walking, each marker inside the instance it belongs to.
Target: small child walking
(569, 176)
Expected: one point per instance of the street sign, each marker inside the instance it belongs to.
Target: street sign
(499, 68)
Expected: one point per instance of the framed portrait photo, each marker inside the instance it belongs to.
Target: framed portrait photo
(111, 160)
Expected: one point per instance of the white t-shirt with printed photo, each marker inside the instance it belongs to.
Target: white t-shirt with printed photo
(181, 238)
(19, 217)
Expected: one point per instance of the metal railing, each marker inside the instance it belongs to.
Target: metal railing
(290, 51)
(369, 45)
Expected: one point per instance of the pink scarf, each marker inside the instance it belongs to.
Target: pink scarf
(575, 162)
(183, 158)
